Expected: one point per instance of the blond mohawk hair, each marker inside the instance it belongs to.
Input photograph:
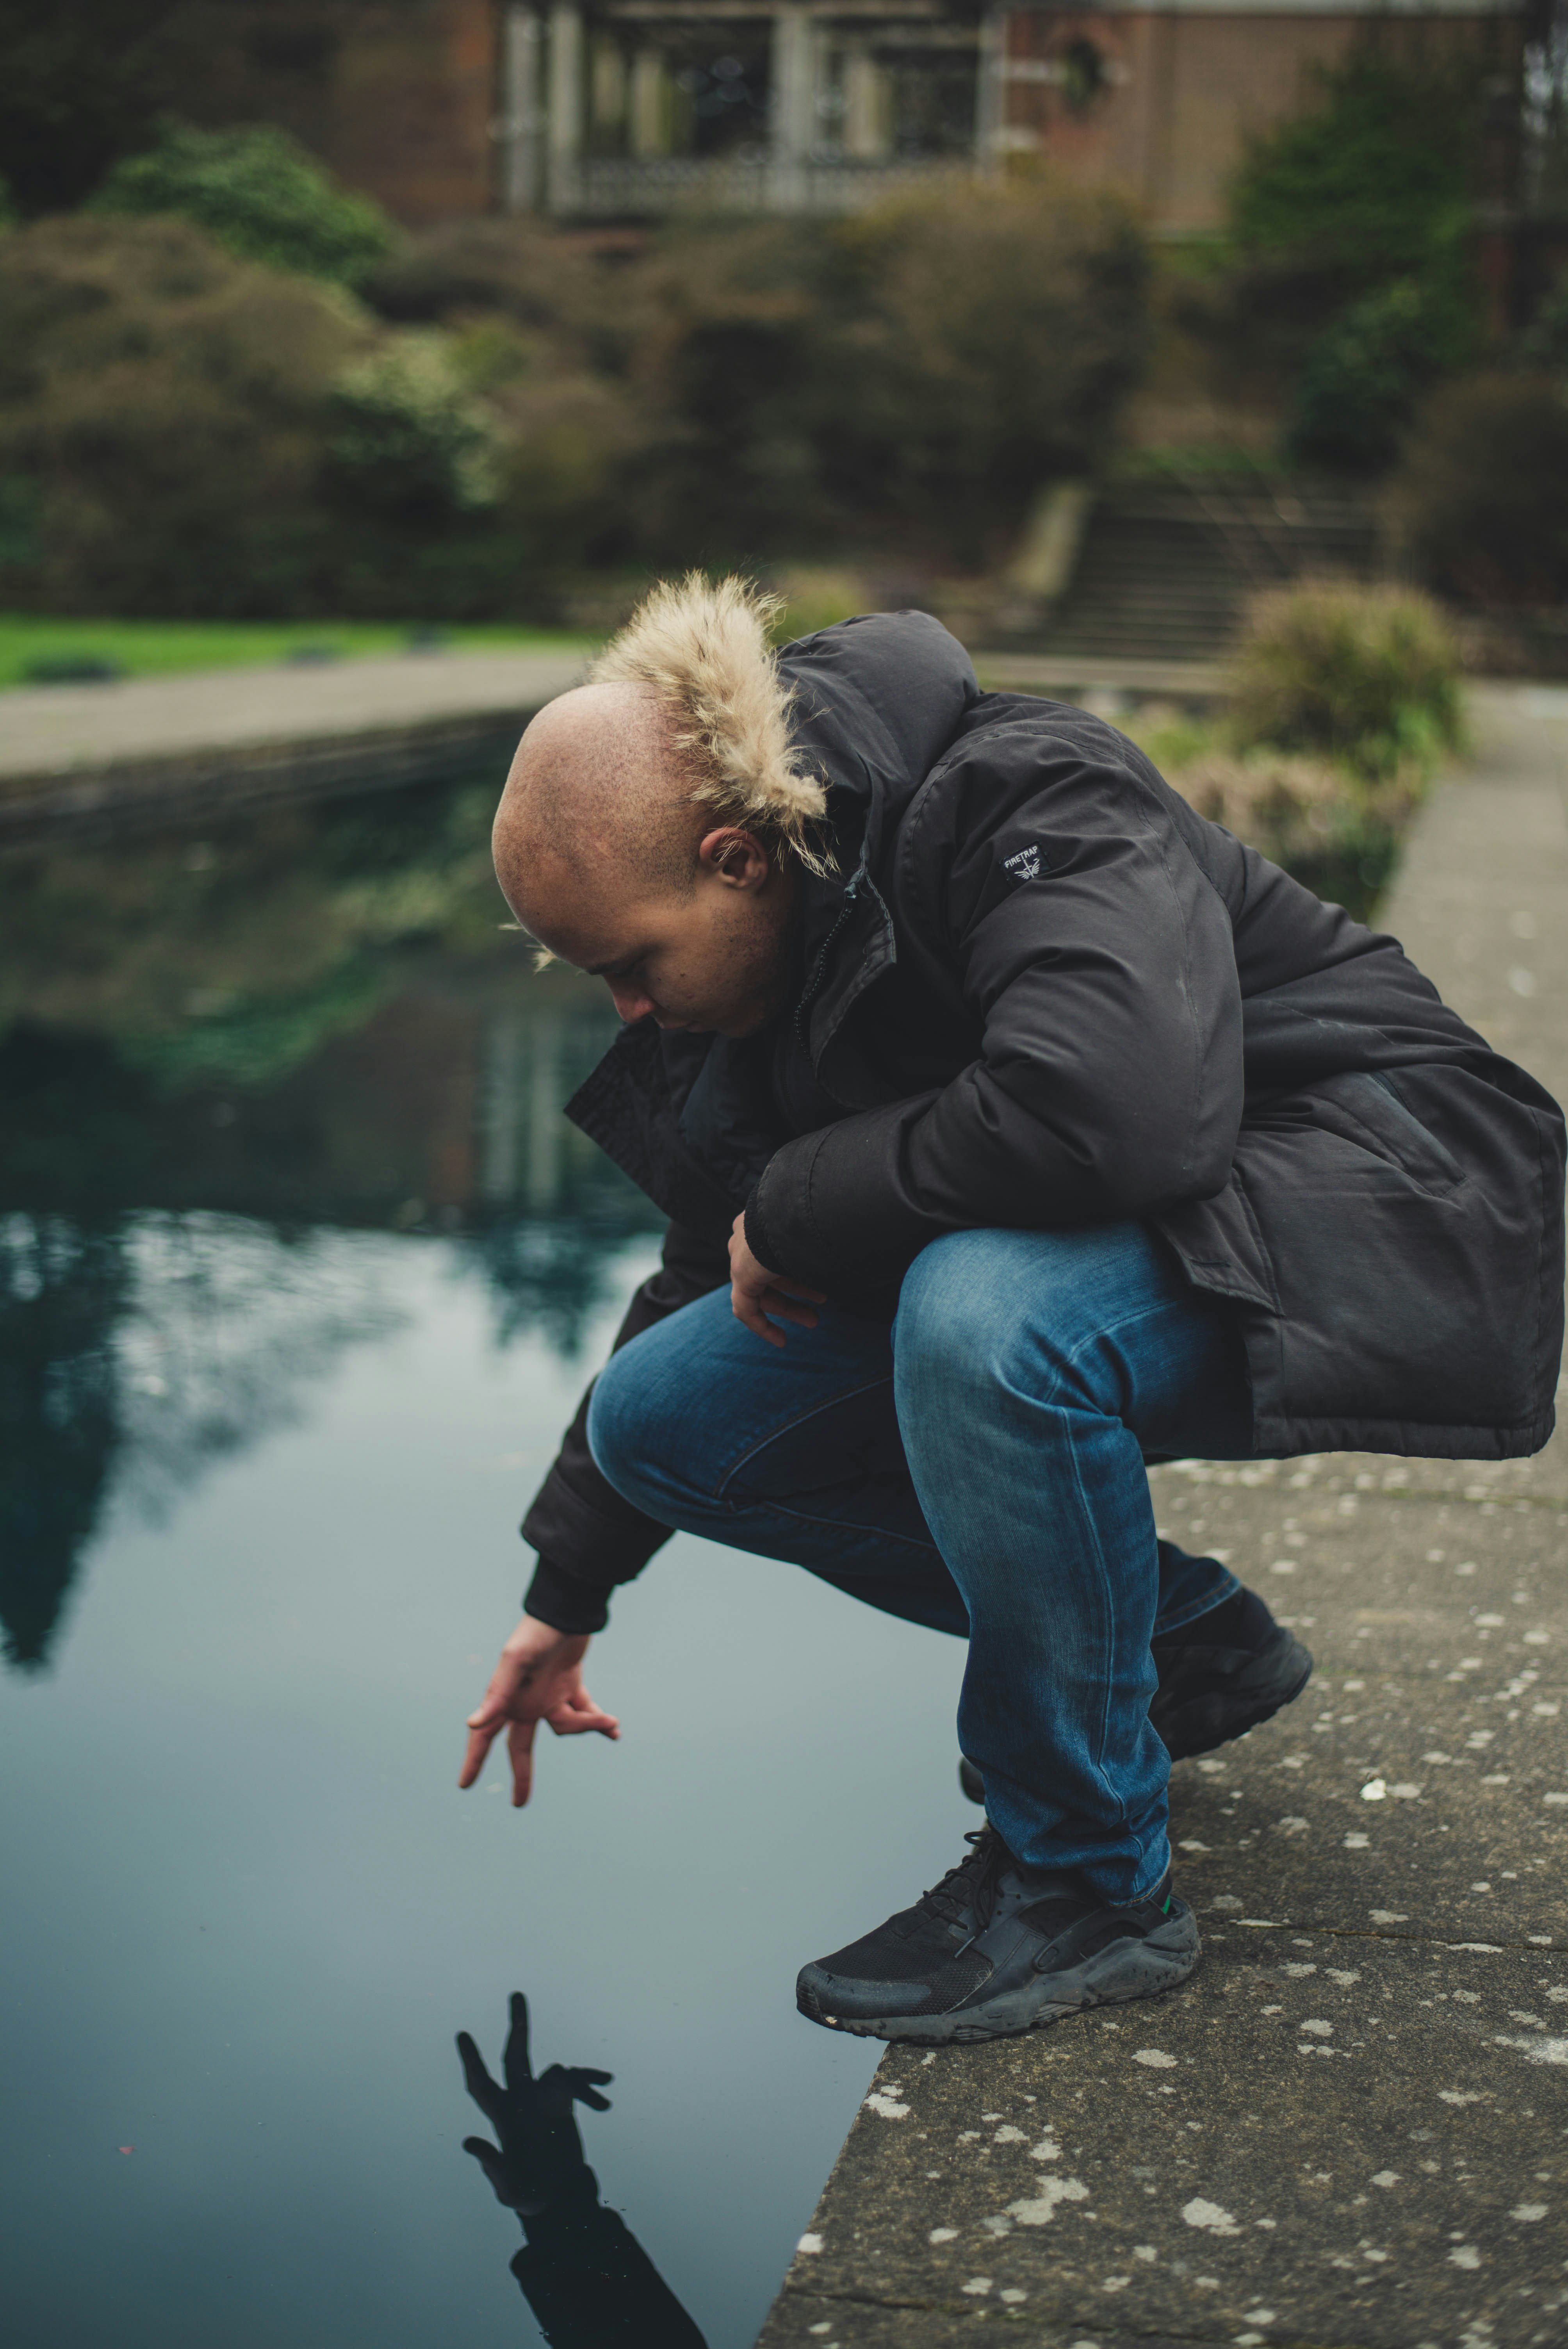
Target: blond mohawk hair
(702, 646)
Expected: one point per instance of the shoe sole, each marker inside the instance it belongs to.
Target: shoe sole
(1124, 1970)
(1233, 1708)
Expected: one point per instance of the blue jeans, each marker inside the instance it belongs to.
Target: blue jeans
(979, 1468)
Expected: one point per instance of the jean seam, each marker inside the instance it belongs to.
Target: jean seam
(836, 1525)
(1110, 1330)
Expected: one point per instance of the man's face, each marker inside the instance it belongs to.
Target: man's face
(714, 956)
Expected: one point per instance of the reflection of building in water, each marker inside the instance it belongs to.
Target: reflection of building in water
(176, 1268)
(530, 1158)
(62, 1290)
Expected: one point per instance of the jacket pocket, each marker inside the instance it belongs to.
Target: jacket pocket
(1364, 1106)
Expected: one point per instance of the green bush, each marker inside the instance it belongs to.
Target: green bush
(916, 371)
(1361, 379)
(993, 332)
(1480, 497)
(1348, 287)
(1365, 182)
(407, 438)
(182, 430)
(1368, 676)
(163, 404)
(1331, 829)
(258, 193)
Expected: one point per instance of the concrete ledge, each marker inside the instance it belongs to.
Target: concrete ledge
(160, 747)
(1072, 673)
(1350, 2129)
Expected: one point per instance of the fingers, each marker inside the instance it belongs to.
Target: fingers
(485, 1722)
(748, 1310)
(484, 2091)
(580, 2085)
(577, 1712)
(479, 1745)
(514, 2062)
(520, 1747)
(783, 1309)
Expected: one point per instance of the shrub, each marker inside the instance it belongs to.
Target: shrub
(1360, 380)
(1480, 498)
(994, 332)
(1332, 830)
(164, 402)
(407, 438)
(183, 433)
(258, 193)
(1350, 287)
(518, 270)
(1367, 181)
(1368, 676)
(921, 368)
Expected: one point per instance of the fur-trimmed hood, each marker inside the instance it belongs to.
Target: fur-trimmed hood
(862, 710)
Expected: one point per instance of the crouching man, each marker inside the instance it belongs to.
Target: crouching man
(1016, 1127)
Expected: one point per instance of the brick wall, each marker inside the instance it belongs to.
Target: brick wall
(1183, 91)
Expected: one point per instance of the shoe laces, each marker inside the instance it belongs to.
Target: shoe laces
(972, 1884)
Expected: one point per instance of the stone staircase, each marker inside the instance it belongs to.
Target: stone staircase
(1164, 572)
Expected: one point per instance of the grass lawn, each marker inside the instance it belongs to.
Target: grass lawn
(164, 648)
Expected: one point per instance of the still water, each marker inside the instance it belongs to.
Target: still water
(301, 1272)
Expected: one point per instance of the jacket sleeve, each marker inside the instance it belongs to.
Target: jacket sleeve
(587, 1537)
(1097, 963)
(591, 2284)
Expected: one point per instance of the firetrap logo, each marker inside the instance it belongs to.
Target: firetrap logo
(1026, 864)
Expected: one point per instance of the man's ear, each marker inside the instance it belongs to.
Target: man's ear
(733, 857)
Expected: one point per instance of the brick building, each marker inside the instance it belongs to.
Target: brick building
(619, 108)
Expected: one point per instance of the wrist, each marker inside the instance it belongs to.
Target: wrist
(533, 1639)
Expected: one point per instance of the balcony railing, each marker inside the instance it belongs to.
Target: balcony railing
(601, 188)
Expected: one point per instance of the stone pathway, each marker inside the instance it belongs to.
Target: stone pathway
(1351, 2126)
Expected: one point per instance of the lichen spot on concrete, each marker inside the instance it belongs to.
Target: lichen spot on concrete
(1209, 2215)
(1038, 2211)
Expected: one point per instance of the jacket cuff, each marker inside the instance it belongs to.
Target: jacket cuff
(568, 1605)
(760, 1239)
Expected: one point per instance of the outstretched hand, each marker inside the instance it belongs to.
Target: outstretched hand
(539, 1678)
(755, 1293)
(541, 2154)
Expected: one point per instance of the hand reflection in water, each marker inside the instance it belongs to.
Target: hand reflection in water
(587, 2279)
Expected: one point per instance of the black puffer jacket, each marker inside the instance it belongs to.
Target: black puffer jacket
(1044, 991)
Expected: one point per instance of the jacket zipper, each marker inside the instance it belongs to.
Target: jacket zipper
(818, 968)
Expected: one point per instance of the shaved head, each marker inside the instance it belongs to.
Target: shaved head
(597, 784)
(608, 850)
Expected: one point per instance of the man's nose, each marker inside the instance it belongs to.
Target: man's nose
(630, 1001)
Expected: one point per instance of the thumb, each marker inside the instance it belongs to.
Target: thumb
(487, 2155)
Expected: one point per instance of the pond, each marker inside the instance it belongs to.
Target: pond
(302, 1270)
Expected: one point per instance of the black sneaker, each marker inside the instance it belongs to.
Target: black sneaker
(996, 1949)
(1222, 1673)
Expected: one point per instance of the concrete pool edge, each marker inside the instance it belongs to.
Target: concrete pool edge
(152, 749)
(1185, 2170)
